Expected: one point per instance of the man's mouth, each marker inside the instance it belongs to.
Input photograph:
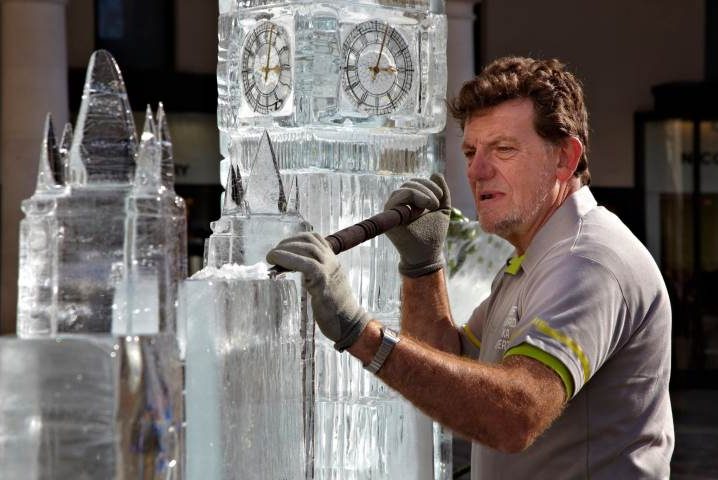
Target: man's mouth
(488, 196)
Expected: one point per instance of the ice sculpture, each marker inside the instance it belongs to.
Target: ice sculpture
(247, 340)
(255, 215)
(92, 226)
(352, 95)
(90, 406)
(101, 251)
(346, 85)
(249, 383)
(378, 63)
(155, 242)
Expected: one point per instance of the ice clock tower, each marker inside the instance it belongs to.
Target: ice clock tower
(352, 95)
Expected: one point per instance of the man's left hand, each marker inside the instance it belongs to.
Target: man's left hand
(336, 311)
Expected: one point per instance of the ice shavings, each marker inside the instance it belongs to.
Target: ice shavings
(232, 271)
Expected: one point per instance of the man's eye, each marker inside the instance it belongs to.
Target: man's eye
(469, 154)
(504, 150)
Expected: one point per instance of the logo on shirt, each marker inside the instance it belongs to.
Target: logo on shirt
(510, 322)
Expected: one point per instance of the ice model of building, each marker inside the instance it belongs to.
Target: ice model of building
(256, 213)
(308, 86)
(101, 252)
(94, 223)
(155, 239)
(90, 406)
(352, 94)
(248, 340)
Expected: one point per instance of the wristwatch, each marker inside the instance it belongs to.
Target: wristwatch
(389, 339)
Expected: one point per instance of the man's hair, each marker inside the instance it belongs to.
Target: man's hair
(557, 96)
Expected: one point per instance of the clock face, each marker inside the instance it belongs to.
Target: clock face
(266, 68)
(377, 70)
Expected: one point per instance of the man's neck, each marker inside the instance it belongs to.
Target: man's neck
(521, 242)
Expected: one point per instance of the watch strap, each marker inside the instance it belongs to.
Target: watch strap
(389, 339)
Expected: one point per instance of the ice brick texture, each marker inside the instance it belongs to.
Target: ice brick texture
(331, 201)
(88, 407)
(337, 150)
(248, 367)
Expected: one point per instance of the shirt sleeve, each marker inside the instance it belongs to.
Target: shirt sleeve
(574, 310)
(470, 333)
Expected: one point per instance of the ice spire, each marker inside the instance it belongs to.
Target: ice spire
(165, 141)
(65, 145)
(293, 196)
(49, 173)
(105, 141)
(264, 192)
(234, 194)
(147, 175)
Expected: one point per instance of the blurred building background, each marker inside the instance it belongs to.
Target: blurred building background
(650, 71)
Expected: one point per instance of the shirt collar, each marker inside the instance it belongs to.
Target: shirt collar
(513, 264)
(560, 225)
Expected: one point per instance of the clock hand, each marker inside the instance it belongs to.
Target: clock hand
(269, 52)
(375, 70)
(390, 68)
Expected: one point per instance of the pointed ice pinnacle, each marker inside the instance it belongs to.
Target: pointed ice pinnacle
(105, 141)
(147, 175)
(264, 192)
(49, 171)
(293, 196)
(65, 144)
(234, 201)
(163, 135)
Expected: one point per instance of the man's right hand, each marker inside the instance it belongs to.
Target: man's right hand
(420, 244)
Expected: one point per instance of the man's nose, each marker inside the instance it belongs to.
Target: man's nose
(479, 168)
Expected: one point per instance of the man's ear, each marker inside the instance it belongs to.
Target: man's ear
(570, 151)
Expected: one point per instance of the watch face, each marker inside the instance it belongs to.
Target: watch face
(266, 69)
(377, 69)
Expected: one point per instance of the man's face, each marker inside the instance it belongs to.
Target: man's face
(511, 170)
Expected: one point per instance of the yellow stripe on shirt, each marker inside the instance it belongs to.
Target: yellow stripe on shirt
(570, 343)
(472, 338)
(547, 359)
(513, 265)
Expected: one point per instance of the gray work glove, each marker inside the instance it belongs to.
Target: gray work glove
(336, 311)
(421, 243)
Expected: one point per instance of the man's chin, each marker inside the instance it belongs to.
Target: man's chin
(487, 225)
(503, 228)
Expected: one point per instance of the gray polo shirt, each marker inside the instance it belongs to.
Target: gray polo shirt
(588, 301)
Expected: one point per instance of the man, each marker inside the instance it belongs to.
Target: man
(565, 366)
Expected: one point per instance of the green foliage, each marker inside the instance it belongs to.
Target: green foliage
(459, 241)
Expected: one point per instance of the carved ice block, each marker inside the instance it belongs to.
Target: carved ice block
(248, 376)
(90, 407)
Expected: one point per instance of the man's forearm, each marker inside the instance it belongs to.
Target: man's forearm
(504, 406)
(425, 312)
